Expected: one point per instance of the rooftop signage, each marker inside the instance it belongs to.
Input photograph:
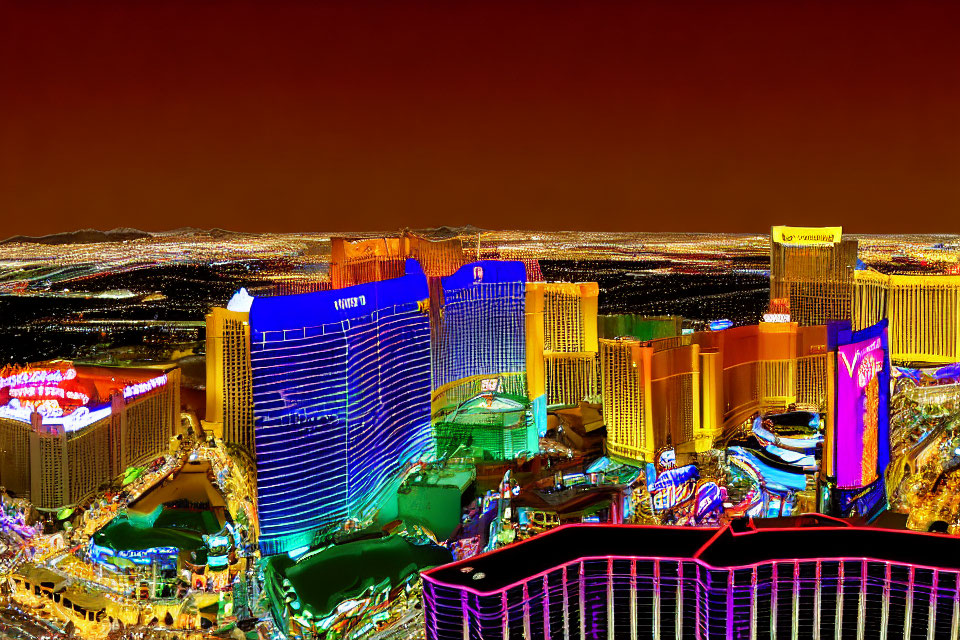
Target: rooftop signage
(485, 272)
(62, 397)
(806, 235)
(35, 377)
(51, 392)
(308, 310)
(134, 390)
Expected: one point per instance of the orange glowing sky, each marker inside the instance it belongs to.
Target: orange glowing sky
(299, 116)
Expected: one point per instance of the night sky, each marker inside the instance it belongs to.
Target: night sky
(303, 116)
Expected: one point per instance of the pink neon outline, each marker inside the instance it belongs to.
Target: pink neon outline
(426, 575)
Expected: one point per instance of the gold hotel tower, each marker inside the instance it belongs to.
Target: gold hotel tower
(813, 269)
(359, 261)
(923, 313)
(691, 390)
(229, 378)
(562, 335)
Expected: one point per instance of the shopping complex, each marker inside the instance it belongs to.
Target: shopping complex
(551, 466)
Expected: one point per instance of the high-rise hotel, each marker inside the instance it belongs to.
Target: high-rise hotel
(229, 382)
(812, 270)
(488, 395)
(690, 389)
(341, 393)
(66, 429)
(564, 331)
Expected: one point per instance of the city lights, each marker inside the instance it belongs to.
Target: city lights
(317, 461)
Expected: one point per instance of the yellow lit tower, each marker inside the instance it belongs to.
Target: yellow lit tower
(812, 270)
(564, 337)
(923, 310)
(229, 381)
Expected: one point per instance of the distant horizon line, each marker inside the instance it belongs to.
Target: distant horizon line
(131, 233)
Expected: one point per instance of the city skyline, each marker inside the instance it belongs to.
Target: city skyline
(451, 321)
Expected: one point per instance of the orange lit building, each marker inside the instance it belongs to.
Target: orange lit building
(65, 429)
(690, 390)
(360, 261)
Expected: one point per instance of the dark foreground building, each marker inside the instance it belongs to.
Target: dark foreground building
(819, 578)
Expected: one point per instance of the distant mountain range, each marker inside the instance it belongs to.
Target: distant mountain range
(83, 236)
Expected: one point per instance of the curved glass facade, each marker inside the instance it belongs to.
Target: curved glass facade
(481, 348)
(341, 392)
(483, 331)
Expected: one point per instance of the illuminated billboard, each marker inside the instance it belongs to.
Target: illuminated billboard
(807, 235)
(51, 392)
(62, 396)
(861, 431)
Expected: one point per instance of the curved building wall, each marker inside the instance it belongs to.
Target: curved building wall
(688, 391)
(482, 329)
(341, 391)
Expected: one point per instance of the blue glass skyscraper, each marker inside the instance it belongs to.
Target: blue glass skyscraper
(480, 354)
(483, 331)
(341, 391)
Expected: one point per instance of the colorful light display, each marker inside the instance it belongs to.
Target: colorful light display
(341, 391)
(51, 392)
(812, 577)
(134, 390)
(164, 557)
(862, 421)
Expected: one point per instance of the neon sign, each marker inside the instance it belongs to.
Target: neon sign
(52, 414)
(858, 410)
(49, 393)
(776, 317)
(807, 235)
(862, 438)
(162, 555)
(350, 303)
(38, 377)
(140, 388)
(42, 391)
(490, 385)
(674, 486)
(709, 502)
